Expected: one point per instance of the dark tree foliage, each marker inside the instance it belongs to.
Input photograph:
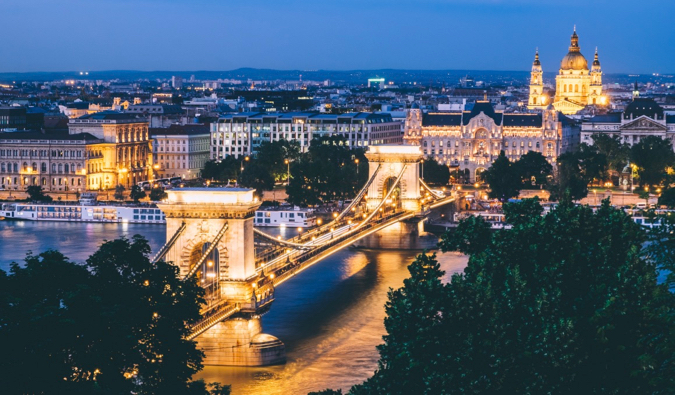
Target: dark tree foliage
(569, 179)
(257, 176)
(157, 194)
(119, 192)
(436, 173)
(667, 198)
(137, 193)
(272, 155)
(652, 155)
(327, 172)
(36, 194)
(223, 170)
(565, 303)
(116, 325)
(533, 169)
(592, 163)
(616, 152)
(503, 178)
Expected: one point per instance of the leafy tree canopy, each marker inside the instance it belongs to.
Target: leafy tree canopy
(116, 325)
(533, 169)
(565, 303)
(137, 193)
(503, 178)
(436, 173)
(652, 155)
(36, 194)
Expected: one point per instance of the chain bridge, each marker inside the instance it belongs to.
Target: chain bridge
(211, 237)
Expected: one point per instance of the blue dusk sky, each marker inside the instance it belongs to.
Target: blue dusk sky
(61, 35)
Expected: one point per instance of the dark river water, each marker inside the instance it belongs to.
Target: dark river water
(330, 316)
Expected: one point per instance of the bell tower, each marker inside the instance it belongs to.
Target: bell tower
(595, 89)
(537, 98)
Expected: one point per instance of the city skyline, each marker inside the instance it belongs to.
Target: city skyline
(300, 35)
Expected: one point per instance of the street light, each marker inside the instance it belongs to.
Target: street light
(422, 168)
(357, 165)
(288, 170)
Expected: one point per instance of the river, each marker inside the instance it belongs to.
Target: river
(330, 316)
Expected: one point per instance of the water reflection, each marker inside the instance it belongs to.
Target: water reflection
(331, 318)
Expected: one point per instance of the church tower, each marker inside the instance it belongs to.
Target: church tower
(537, 98)
(636, 91)
(573, 80)
(595, 89)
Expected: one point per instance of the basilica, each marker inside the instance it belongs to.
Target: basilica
(577, 86)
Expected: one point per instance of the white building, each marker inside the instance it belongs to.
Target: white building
(180, 150)
(642, 117)
(241, 134)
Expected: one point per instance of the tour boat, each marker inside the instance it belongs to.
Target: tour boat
(285, 216)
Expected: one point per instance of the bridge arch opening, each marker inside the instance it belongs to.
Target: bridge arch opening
(208, 273)
(395, 198)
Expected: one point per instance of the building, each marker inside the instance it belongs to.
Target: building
(576, 85)
(472, 140)
(642, 117)
(538, 99)
(159, 115)
(56, 162)
(124, 157)
(241, 134)
(12, 119)
(180, 150)
(176, 82)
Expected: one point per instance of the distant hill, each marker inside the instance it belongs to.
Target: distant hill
(422, 77)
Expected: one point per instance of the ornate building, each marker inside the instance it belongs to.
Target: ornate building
(538, 100)
(124, 157)
(576, 85)
(472, 140)
(642, 117)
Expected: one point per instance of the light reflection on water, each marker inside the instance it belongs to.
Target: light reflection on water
(330, 316)
(76, 240)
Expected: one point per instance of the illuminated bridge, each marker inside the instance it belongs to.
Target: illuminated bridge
(210, 236)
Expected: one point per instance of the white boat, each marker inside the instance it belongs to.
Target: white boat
(285, 216)
(82, 213)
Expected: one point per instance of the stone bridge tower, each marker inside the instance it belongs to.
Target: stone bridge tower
(209, 234)
(391, 159)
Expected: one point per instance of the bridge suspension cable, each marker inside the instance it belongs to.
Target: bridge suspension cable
(165, 249)
(279, 241)
(208, 251)
(425, 186)
(358, 197)
(384, 199)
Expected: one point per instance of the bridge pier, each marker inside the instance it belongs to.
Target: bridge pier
(240, 342)
(210, 238)
(404, 235)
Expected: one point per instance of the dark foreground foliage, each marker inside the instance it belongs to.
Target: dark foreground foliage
(115, 325)
(566, 303)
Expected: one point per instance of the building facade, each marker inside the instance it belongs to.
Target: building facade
(124, 157)
(241, 134)
(642, 117)
(472, 140)
(56, 162)
(577, 86)
(180, 150)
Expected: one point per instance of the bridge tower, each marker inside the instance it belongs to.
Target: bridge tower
(210, 236)
(389, 161)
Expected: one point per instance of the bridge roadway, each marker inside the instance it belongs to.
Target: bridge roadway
(294, 260)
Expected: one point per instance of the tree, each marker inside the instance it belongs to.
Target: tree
(222, 170)
(119, 192)
(667, 198)
(115, 325)
(273, 155)
(36, 194)
(257, 176)
(569, 179)
(137, 193)
(564, 303)
(652, 155)
(592, 163)
(533, 169)
(328, 171)
(503, 179)
(616, 152)
(157, 194)
(436, 173)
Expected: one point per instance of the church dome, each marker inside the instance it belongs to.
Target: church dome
(574, 60)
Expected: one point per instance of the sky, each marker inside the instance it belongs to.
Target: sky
(182, 35)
